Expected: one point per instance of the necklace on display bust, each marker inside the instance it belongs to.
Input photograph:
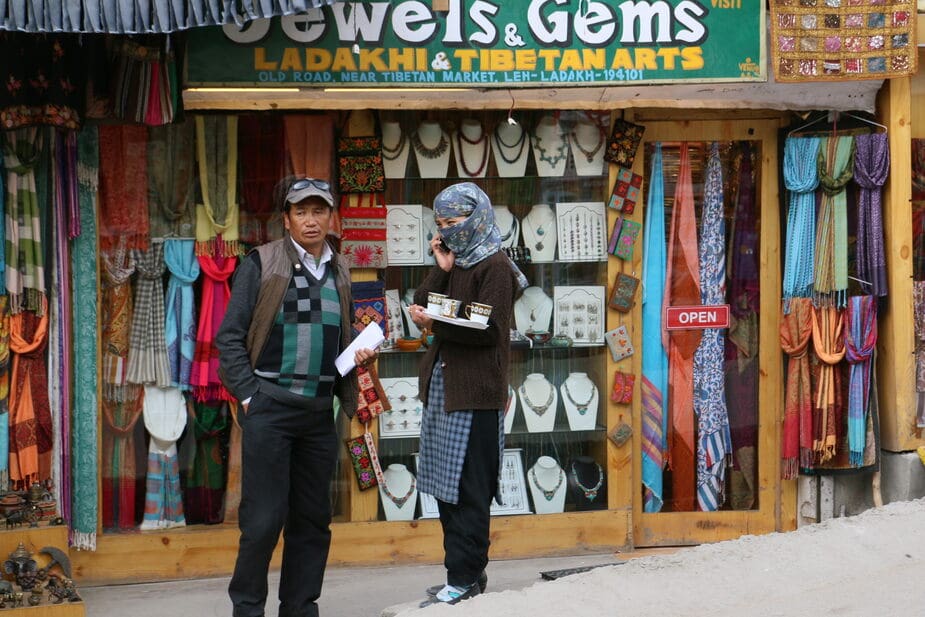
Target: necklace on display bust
(561, 150)
(581, 407)
(503, 146)
(539, 231)
(430, 153)
(548, 494)
(590, 154)
(481, 139)
(399, 501)
(589, 493)
(538, 409)
(534, 306)
(390, 153)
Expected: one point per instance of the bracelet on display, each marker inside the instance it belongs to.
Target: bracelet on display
(518, 254)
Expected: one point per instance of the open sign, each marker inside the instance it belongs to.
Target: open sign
(697, 317)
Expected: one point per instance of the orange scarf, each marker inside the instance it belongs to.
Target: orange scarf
(796, 445)
(829, 344)
(30, 414)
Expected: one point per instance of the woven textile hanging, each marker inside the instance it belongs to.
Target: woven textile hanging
(796, 328)
(262, 150)
(836, 167)
(215, 295)
(871, 169)
(164, 412)
(119, 476)
(147, 351)
(171, 188)
(801, 176)
(116, 268)
(180, 326)
(217, 156)
(123, 186)
(860, 343)
(30, 414)
(829, 344)
(145, 84)
(205, 480)
(4, 391)
(654, 383)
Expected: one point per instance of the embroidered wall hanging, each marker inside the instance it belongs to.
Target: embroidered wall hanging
(369, 305)
(623, 143)
(363, 239)
(825, 40)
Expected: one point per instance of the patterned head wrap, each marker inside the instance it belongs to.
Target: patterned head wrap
(477, 237)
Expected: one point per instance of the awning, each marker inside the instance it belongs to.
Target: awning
(140, 16)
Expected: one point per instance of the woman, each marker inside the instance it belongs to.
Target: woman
(464, 380)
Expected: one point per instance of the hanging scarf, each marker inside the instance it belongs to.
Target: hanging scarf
(180, 327)
(123, 186)
(215, 294)
(654, 385)
(828, 341)
(147, 351)
(233, 482)
(477, 237)
(217, 156)
(84, 436)
(713, 439)
(164, 412)
(145, 85)
(171, 187)
(836, 165)
(795, 329)
(2, 228)
(117, 267)
(918, 312)
(682, 287)
(4, 392)
(30, 415)
(801, 177)
(205, 480)
(25, 266)
(119, 477)
(860, 343)
(309, 143)
(871, 168)
(262, 150)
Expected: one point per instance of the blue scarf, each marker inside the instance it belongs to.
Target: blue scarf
(801, 178)
(477, 237)
(181, 309)
(654, 355)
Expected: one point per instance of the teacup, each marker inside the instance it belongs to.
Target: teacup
(435, 302)
(478, 312)
(450, 307)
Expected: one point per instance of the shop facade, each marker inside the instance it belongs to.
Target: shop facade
(614, 502)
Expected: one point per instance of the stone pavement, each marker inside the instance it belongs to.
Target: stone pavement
(348, 592)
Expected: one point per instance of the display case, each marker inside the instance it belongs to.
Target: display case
(547, 180)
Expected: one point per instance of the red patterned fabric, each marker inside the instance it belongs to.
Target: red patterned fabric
(215, 294)
(123, 185)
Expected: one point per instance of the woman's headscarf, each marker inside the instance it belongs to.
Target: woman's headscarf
(477, 237)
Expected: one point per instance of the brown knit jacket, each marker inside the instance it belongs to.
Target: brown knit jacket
(475, 361)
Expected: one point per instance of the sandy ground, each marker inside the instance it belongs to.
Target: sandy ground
(872, 564)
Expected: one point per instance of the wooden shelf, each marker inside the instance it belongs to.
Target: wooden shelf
(34, 539)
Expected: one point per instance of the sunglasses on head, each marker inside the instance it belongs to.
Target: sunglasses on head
(304, 183)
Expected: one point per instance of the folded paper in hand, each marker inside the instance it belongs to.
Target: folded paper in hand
(370, 338)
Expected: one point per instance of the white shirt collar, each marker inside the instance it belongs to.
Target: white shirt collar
(309, 261)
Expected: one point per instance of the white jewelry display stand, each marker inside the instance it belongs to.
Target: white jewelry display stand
(395, 149)
(404, 419)
(581, 231)
(401, 484)
(533, 310)
(547, 484)
(405, 234)
(510, 144)
(550, 148)
(539, 231)
(588, 142)
(587, 482)
(580, 399)
(508, 225)
(471, 149)
(510, 410)
(579, 312)
(430, 229)
(432, 137)
(540, 410)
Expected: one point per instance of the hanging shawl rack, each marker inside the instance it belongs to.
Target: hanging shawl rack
(832, 119)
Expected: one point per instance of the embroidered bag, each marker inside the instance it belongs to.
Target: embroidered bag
(363, 235)
(359, 163)
(372, 400)
(622, 391)
(626, 191)
(619, 343)
(369, 306)
(624, 141)
(625, 240)
(622, 297)
(620, 434)
(362, 461)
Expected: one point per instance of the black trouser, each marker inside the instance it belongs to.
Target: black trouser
(287, 461)
(466, 524)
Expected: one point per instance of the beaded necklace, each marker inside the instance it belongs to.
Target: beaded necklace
(541, 409)
(390, 154)
(482, 139)
(547, 494)
(399, 501)
(589, 493)
(589, 154)
(502, 145)
(430, 153)
(561, 150)
(581, 407)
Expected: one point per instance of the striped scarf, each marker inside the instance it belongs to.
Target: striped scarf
(801, 178)
(828, 341)
(215, 294)
(714, 443)
(836, 167)
(217, 215)
(84, 469)
(25, 266)
(860, 343)
(795, 330)
(147, 351)
(654, 359)
(4, 391)
(117, 267)
(180, 334)
(871, 168)
(119, 479)
(164, 411)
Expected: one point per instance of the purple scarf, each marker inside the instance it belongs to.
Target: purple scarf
(871, 168)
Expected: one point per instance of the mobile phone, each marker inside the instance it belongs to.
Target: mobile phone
(443, 246)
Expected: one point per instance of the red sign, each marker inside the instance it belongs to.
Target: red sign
(696, 317)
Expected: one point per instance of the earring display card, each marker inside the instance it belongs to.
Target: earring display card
(581, 228)
(404, 419)
(405, 235)
(513, 489)
(393, 315)
(579, 313)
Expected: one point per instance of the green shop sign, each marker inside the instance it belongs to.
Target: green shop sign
(478, 43)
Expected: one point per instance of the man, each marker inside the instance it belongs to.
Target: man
(288, 318)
